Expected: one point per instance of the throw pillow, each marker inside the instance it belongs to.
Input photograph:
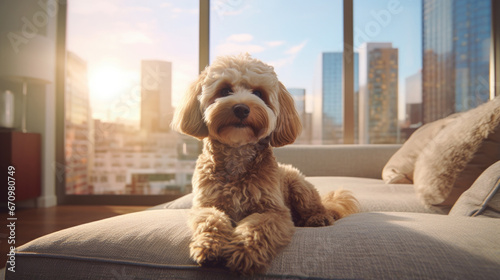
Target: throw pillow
(399, 168)
(483, 197)
(452, 161)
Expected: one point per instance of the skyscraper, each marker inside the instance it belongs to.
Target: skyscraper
(299, 96)
(414, 99)
(378, 93)
(77, 120)
(156, 95)
(328, 99)
(455, 74)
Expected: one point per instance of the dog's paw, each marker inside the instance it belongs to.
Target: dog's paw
(246, 260)
(319, 220)
(207, 251)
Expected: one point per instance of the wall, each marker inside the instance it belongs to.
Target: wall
(28, 52)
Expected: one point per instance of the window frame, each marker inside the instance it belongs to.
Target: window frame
(59, 166)
(204, 38)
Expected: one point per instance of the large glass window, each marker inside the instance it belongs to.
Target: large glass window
(127, 65)
(414, 60)
(303, 41)
(129, 62)
(419, 61)
(456, 53)
(388, 40)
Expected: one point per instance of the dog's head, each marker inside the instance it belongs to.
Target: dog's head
(238, 100)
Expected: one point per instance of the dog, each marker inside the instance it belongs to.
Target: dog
(246, 205)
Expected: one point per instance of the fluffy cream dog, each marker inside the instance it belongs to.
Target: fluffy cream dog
(246, 204)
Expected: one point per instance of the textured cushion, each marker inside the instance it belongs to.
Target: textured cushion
(453, 160)
(365, 161)
(483, 197)
(373, 195)
(154, 245)
(399, 169)
(183, 202)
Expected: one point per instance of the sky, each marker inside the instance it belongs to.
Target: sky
(113, 36)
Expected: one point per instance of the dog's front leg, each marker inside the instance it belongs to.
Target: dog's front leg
(257, 239)
(212, 230)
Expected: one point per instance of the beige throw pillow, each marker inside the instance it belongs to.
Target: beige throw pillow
(399, 168)
(483, 197)
(452, 161)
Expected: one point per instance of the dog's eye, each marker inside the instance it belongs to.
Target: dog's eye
(257, 93)
(225, 92)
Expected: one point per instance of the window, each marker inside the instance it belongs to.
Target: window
(413, 61)
(303, 41)
(120, 178)
(127, 65)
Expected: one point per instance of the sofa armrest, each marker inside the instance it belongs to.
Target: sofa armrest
(365, 161)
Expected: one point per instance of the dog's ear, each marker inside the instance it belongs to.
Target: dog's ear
(188, 117)
(288, 125)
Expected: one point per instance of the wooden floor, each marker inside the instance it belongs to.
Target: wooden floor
(35, 222)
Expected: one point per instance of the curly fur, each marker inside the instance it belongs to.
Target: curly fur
(246, 205)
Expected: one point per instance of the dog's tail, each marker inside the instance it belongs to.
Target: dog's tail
(340, 203)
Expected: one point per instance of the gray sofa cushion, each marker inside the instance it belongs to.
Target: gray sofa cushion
(483, 197)
(184, 202)
(366, 161)
(154, 245)
(373, 195)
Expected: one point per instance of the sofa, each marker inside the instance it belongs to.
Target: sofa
(395, 236)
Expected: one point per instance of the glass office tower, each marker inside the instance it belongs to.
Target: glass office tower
(456, 38)
(331, 96)
(378, 93)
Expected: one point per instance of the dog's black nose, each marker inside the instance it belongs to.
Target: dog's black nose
(241, 111)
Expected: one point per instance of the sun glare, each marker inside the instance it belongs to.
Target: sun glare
(107, 81)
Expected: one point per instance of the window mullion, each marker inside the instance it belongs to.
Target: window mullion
(204, 34)
(348, 74)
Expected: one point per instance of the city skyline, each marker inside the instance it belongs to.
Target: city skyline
(138, 31)
(378, 94)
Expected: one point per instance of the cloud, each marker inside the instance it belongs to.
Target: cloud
(166, 5)
(281, 62)
(238, 43)
(135, 37)
(234, 48)
(289, 55)
(296, 49)
(185, 11)
(137, 9)
(223, 8)
(275, 43)
(240, 38)
(93, 7)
